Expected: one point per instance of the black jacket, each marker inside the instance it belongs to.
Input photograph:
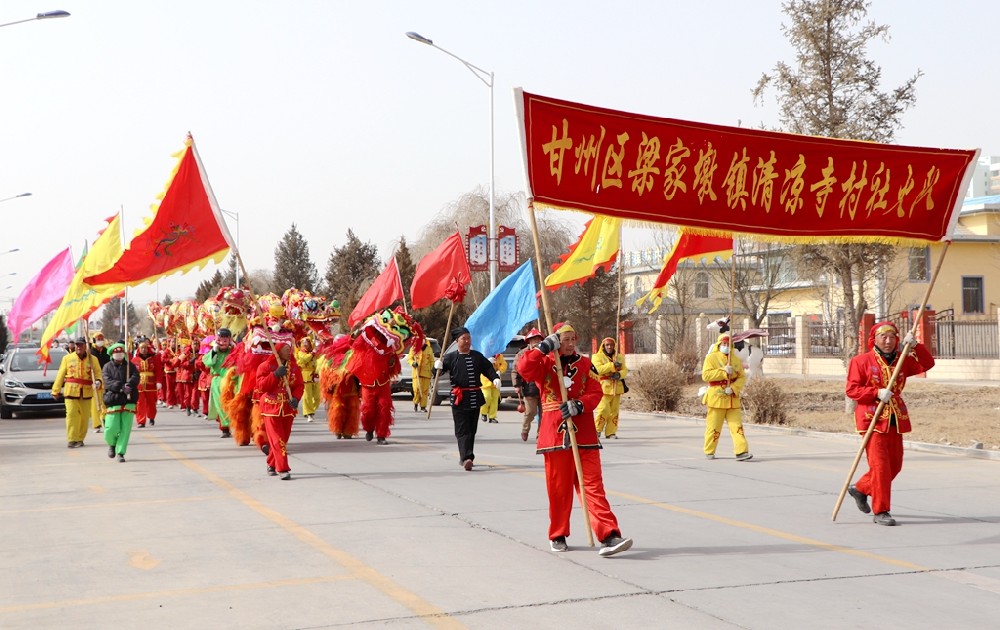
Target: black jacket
(116, 377)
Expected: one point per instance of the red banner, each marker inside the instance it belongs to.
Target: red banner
(478, 245)
(727, 179)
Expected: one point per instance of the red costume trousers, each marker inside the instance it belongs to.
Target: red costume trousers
(377, 409)
(169, 387)
(278, 429)
(561, 481)
(885, 460)
(145, 408)
(203, 397)
(184, 395)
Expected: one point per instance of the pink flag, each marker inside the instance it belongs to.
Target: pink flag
(43, 294)
(386, 289)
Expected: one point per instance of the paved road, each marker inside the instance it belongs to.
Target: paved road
(190, 533)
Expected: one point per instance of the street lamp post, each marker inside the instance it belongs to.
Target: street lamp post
(487, 78)
(236, 216)
(48, 15)
(15, 197)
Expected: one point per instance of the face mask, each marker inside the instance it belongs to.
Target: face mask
(118, 356)
(724, 349)
(99, 343)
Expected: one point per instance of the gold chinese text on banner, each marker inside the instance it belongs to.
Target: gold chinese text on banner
(725, 179)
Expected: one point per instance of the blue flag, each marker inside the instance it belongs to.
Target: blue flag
(504, 311)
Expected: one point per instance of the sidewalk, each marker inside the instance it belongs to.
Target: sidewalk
(191, 533)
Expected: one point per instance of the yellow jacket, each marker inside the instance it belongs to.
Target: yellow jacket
(422, 361)
(713, 372)
(500, 364)
(307, 363)
(605, 367)
(76, 376)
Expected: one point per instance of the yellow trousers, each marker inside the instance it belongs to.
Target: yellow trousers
(77, 417)
(421, 391)
(310, 398)
(606, 414)
(713, 429)
(492, 396)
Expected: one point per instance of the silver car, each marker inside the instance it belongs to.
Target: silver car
(26, 383)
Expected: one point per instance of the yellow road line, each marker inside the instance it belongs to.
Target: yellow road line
(429, 612)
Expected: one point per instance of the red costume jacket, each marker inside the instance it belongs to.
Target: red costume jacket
(150, 371)
(869, 373)
(271, 394)
(585, 387)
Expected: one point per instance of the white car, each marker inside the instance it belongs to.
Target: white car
(26, 383)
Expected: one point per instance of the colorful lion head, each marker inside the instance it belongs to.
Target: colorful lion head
(389, 332)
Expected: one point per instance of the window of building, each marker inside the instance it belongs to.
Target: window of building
(972, 295)
(701, 284)
(920, 264)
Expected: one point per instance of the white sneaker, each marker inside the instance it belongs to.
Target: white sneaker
(558, 544)
(613, 545)
(309, 418)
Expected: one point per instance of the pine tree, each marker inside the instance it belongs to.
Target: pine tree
(350, 270)
(292, 266)
(834, 91)
(209, 288)
(229, 278)
(167, 300)
(111, 322)
(405, 264)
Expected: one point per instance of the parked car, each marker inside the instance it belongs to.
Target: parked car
(506, 383)
(404, 384)
(26, 383)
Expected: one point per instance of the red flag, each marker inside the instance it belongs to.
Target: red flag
(186, 230)
(687, 246)
(386, 289)
(442, 273)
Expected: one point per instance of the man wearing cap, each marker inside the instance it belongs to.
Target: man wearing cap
(583, 393)
(150, 380)
(78, 378)
(213, 360)
(465, 367)
(611, 369)
(725, 378)
(121, 383)
(867, 384)
(422, 361)
(276, 378)
(527, 390)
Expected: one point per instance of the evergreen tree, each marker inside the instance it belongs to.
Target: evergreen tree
(209, 288)
(112, 324)
(4, 340)
(229, 278)
(405, 264)
(167, 300)
(350, 271)
(292, 265)
(834, 91)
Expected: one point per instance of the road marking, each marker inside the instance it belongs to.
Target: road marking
(428, 612)
(142, 560)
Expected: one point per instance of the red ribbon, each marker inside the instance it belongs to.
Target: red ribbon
(455, 292)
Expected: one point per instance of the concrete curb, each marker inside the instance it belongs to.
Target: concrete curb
(942, 449)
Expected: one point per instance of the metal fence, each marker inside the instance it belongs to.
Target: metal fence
(956, 339)
(780, 340)
(825, 339)
(644, 336)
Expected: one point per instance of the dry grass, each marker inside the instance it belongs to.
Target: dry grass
(941, 413)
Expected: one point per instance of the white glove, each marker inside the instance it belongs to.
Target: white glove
(728, 369)
(885, 395)
(98, 383)
(496, 383)
(159, 386)
(437, 364)
(908, 340)
(728, 391)
(550, 343)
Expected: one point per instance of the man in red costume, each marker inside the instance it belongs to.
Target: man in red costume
(583, 391)
(169, 389)
(867, 384)
(150, 380)
(276, 407)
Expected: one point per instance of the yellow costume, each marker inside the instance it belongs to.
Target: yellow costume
(611, 370)
(488, 412)
(310, 375)
(723, 398)
(75, 383)
(422, 363)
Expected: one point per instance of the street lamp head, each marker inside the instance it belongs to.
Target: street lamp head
(48, 15)
(419, 38)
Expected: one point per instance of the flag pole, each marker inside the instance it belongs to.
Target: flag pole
(93, 377)
(400, 279)
(892, 380)
(570, 425)
(437, 373)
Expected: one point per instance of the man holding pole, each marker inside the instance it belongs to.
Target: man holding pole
(583, 391)
(465, 367)
(868, 384)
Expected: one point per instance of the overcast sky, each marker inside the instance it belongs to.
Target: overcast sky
(324, 114)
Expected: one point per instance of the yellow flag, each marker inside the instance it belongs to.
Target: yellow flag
(82, 299)
(596, 248)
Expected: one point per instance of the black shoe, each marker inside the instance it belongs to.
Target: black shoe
(558, 544)
(369, 435)
(884, 518)
(121, 459)
(381, 441)
(286, 476)
(484, 418)
(152, 422)
(111, 451)
(226, 434)
(861, 499)
(415, 406)
(265, 448)
(271, 471)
